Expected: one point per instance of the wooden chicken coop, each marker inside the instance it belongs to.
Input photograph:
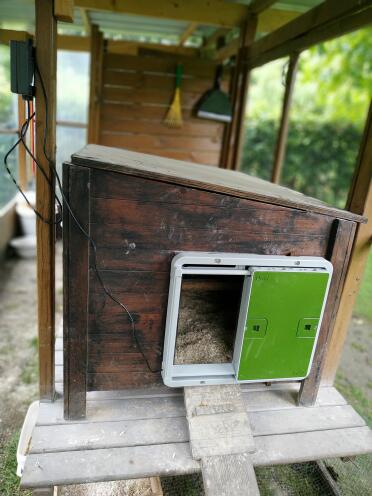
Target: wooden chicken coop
(139, 195)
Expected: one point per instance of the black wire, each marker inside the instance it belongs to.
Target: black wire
(39, 166)
(22, 134)
(85, 233)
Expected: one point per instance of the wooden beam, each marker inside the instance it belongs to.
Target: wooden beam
(96, 62)
(46, 56)
(330, 19)
(64, 10)
(281, 142)
(86, 20)
(82, 44)
(133, 48)
(73, 43)
(187, 33)
(207, 12)
(10, 34)
(233, 137)
(22, 162)
(258, 6)
(359, 201)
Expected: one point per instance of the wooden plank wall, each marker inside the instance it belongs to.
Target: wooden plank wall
(136, 94)
(139, 225)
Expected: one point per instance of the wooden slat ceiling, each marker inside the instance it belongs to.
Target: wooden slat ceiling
(19, 14)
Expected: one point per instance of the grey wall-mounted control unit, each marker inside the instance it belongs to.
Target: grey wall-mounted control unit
(22, 68)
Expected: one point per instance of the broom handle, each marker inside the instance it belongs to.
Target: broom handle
(179, 73)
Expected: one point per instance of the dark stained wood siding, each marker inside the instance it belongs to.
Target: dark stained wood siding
(139, 224)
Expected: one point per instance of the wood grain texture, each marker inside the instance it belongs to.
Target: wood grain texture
(218, 422)
(125, 422)
(359, 201)
(76, 289)
(46, 55)
(144, 85)
(95, 88)
(303, 31)
(281, 142)
(341, 241)
(198, 176)
(229, 475)
(140, 221)
(139, 224)
(233, 137)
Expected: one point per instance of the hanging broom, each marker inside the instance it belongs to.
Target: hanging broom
(173, 117)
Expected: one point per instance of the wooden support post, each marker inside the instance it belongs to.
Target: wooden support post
(22, 162)
(359, 202)
(338, 253)
(46, 56)
(281, 142)
(96, 61)
(234, 133)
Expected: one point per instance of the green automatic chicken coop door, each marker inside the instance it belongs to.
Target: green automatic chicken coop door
(241, 317)
(280, 323)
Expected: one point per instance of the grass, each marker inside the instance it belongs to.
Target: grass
(30, 371)
(363, 306)
(9, 481)
(355, 397)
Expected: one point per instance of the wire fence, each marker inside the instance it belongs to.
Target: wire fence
(342, 477)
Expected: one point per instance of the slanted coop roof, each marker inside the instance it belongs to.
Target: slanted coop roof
(202, 177)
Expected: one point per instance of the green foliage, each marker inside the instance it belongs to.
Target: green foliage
(341, 73)
(320, 157)
(334, 83)
(363, 307)
(9, 481)
(6, 110)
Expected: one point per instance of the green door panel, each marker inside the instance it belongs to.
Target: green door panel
(281, 325)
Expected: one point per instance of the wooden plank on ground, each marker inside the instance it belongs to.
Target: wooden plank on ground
(229, 475)
(175, 459)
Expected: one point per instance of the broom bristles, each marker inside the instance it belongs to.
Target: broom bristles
(173, 117)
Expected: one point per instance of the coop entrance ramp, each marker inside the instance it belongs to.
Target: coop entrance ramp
(221, 438)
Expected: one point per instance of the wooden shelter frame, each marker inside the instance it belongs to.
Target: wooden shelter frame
(288, 35)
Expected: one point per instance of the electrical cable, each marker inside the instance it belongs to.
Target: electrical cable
(22, 134)
(30, 117)
(85, 233)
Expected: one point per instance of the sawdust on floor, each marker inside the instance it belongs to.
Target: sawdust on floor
(206, 329)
